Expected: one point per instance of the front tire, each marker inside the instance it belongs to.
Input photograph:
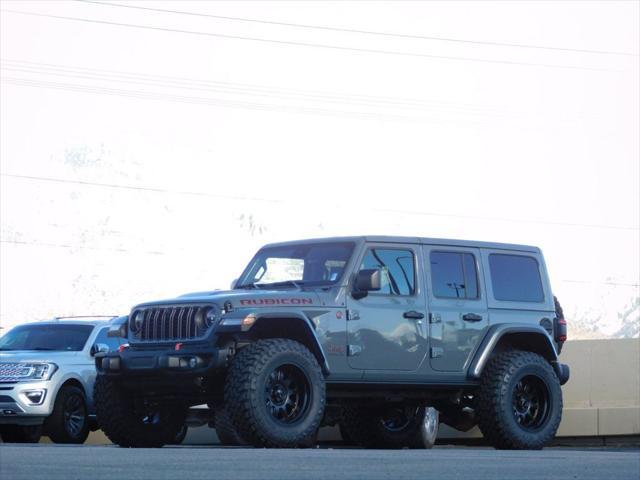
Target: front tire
(68, 423)
(519, 402)
(140, 424)
(21, 433)
(226, 431)
(275, 394)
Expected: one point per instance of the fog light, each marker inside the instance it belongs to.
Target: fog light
(193, 362)
(35, 397)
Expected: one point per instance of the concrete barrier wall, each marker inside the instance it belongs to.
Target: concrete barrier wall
(601, 399)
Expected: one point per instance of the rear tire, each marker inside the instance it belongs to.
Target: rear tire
(392, 427)
(128, 423)
(68, 423)
(275, 394)
(519, 402)
(21, 433)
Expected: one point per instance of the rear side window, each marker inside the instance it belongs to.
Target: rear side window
(515, 278)
(397, 266)
(454, 275)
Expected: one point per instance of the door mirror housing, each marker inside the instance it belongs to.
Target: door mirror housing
(99, 348)
(234, 282)
(367, 280)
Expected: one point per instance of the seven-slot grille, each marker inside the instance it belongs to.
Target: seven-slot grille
(171, 323)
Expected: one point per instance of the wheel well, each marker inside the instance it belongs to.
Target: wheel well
(292, 328)
(528, 341)
(72, 382)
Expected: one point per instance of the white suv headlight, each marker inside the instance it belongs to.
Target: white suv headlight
(26, 372)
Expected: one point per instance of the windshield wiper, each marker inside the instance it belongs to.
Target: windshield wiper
(284, 283)
(249, 285)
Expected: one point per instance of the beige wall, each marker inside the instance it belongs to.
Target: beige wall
(602, 397)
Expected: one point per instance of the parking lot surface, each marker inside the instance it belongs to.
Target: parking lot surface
(62, 462)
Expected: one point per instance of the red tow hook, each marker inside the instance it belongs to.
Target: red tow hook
(178, 346)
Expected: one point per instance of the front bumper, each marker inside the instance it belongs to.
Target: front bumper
(17, 409)
(188, 362)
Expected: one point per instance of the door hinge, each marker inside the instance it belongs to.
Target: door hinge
(354, 350)
(353, 315)
(435, 318)
(436, 352)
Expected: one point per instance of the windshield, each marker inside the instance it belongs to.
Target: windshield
(68, 338)
(309, 264)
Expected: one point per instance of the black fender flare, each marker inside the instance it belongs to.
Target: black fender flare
(541, 343)
(307, 326)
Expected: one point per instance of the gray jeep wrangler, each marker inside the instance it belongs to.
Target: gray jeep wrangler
(364, 332)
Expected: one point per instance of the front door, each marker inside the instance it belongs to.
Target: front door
(458, 316)
(386, 330)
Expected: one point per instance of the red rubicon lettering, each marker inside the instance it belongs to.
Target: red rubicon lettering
(276, 301)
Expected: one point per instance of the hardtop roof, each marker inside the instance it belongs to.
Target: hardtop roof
(414, 240)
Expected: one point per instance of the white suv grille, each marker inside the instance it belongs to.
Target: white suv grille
(13, 372)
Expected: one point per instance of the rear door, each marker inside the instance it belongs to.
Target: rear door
(458, 315)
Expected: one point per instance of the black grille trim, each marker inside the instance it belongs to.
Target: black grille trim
(171, 323)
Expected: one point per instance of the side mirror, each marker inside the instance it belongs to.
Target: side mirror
(367, 280)
(99, 348)
(234, 282)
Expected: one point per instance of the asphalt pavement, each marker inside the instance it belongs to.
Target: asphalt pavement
(65, 462)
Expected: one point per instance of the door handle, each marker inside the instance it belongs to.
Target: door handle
(413, 315)
(471, 317)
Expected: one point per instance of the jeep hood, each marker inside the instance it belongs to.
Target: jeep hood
(253, 298)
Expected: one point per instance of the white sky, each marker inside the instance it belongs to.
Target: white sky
(260, 141)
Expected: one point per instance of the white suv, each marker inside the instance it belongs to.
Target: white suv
(47, 374)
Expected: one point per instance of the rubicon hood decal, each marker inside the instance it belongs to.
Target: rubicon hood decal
(276, 301)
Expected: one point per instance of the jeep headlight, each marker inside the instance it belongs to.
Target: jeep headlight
(26, 372)
(136, 321)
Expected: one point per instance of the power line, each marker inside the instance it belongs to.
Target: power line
(78, 247)
(241, 89)
(614, 284)
(307, 44)
(366, 32)
(408, 212)
(215, 102)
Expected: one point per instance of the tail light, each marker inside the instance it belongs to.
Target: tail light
(560, 329)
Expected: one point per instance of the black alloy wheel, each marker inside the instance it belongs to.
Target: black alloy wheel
(287, 394)
(75, 415)
(531, 402)
(397, 419)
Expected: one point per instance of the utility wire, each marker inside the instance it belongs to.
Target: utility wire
(614, 284)
(366, 32)
(313, 45)
(124, 250)
(220, 102)
(79, 247)
(238, 88)
(408, 212)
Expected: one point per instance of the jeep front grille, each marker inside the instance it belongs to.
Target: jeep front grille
(171, 323)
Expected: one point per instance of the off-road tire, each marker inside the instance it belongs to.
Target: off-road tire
(497, 397)
(123, 424)
(20, 433)
(246, 398)
(226, 431)
(180, 436)
(58, 426)
(366, 427)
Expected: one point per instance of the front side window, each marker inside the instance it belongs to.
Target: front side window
(317, 264)
(454, 275)
(515, 278)
(397, 267)
(67, 338)
(103, 337)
